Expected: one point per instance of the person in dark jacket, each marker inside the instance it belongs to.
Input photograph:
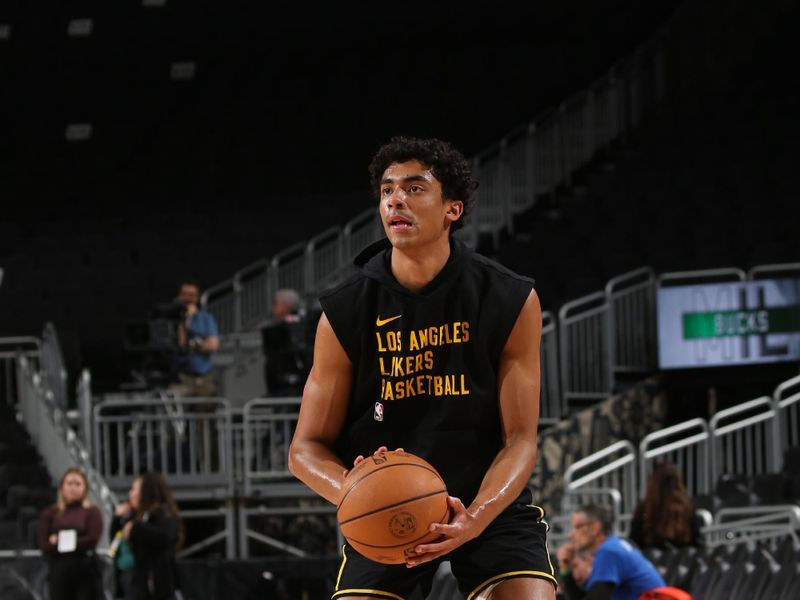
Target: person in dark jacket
(67, 534)
(665, 516)
(151, 526)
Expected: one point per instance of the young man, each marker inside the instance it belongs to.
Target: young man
(434, 349)
(618, 572)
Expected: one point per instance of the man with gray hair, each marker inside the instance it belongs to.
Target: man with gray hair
(286, 305)
(286, 347)
(618, 570)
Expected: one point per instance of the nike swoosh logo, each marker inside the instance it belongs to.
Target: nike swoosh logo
(381, 322)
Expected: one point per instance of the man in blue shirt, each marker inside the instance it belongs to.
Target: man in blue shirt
(619, 571)
(198, 338)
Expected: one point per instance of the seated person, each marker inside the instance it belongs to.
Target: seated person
(619, 571)
(197, 340)
(665, 515)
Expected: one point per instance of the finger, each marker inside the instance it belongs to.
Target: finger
(358, 459)
(400, 450)
(433, 552)
(380, 450)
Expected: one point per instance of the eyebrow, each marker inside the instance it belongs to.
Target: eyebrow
(408, 178)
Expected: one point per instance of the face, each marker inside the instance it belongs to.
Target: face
(73, 488)
(412, 208)
(582, 568)
(280, 309)
(134, 494)
(584, 531)
(189, 294)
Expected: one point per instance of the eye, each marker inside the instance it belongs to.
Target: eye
(386, 191)
(415, 188)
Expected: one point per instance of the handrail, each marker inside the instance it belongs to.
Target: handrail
(724, 274)
(642, 272)
(771, 269)
(701, 463)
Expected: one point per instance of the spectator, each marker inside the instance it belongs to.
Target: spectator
(619, 571)
(67, 534)
(286, 306)
(665, 515)
(198, 338)
(287, 345)
(151, 526)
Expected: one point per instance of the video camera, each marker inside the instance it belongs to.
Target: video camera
(151, 345)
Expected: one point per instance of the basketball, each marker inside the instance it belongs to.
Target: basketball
(388, 504)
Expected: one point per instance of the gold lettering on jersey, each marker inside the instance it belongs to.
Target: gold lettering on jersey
(407, 372)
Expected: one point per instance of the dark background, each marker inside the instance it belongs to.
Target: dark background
(269, 143)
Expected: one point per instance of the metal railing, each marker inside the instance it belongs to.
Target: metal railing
(10, 349)
(632, 321)
(52, 365)
(59, 446)
(187, 440)
(752, 524)
(324, 259)
(687, 446)
(741, 439)
(255, 296)
(551, 408)
(786, 402)
(585, 348)
(83, 398)
(613, 467)
(268, 425)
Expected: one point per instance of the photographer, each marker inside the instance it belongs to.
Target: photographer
(197, 340)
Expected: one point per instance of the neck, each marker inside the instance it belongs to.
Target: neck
(414, 268)
(598, 542)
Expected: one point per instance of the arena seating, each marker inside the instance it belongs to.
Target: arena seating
(763, 571)
(25, 486)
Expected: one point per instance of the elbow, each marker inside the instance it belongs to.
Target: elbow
(294, 459)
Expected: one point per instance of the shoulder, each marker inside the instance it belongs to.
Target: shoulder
(350, 286)
(493, 269)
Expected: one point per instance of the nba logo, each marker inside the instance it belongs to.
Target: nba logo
(378, 411)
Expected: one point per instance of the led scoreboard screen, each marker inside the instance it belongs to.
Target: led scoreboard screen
(721, 324)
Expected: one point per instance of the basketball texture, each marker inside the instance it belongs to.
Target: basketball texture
(388, 503)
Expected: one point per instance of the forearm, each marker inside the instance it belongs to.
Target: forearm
(318, 467)
(506, 478)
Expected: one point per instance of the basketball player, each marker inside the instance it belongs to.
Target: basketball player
(435, 349)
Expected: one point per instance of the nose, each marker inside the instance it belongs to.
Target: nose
(396, 199)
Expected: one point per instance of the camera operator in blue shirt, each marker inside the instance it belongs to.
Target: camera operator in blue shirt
(198, 339)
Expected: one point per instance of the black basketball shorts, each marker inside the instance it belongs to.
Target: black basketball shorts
(513, 545)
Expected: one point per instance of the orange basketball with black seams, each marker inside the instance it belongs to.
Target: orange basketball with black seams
(388, 504)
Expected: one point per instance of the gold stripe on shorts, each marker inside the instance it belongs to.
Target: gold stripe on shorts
(367, 591)
(509, 575)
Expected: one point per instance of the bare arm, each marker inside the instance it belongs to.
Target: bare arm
(518, 392)
(322, 414)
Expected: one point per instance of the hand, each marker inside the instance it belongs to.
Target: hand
(565, 554)
(360, 458)
(123, 508)
(53, 539)
(462, 528)
(126, 530)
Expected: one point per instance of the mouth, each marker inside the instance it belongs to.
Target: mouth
(398, 223)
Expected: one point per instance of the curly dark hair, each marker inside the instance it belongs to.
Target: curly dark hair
(446, 163)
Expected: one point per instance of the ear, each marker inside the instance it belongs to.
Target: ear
(455, 208)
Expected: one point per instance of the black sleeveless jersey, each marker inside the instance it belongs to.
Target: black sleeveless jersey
(425, 364)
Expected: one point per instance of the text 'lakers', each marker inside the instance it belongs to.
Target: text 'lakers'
(408, 375)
